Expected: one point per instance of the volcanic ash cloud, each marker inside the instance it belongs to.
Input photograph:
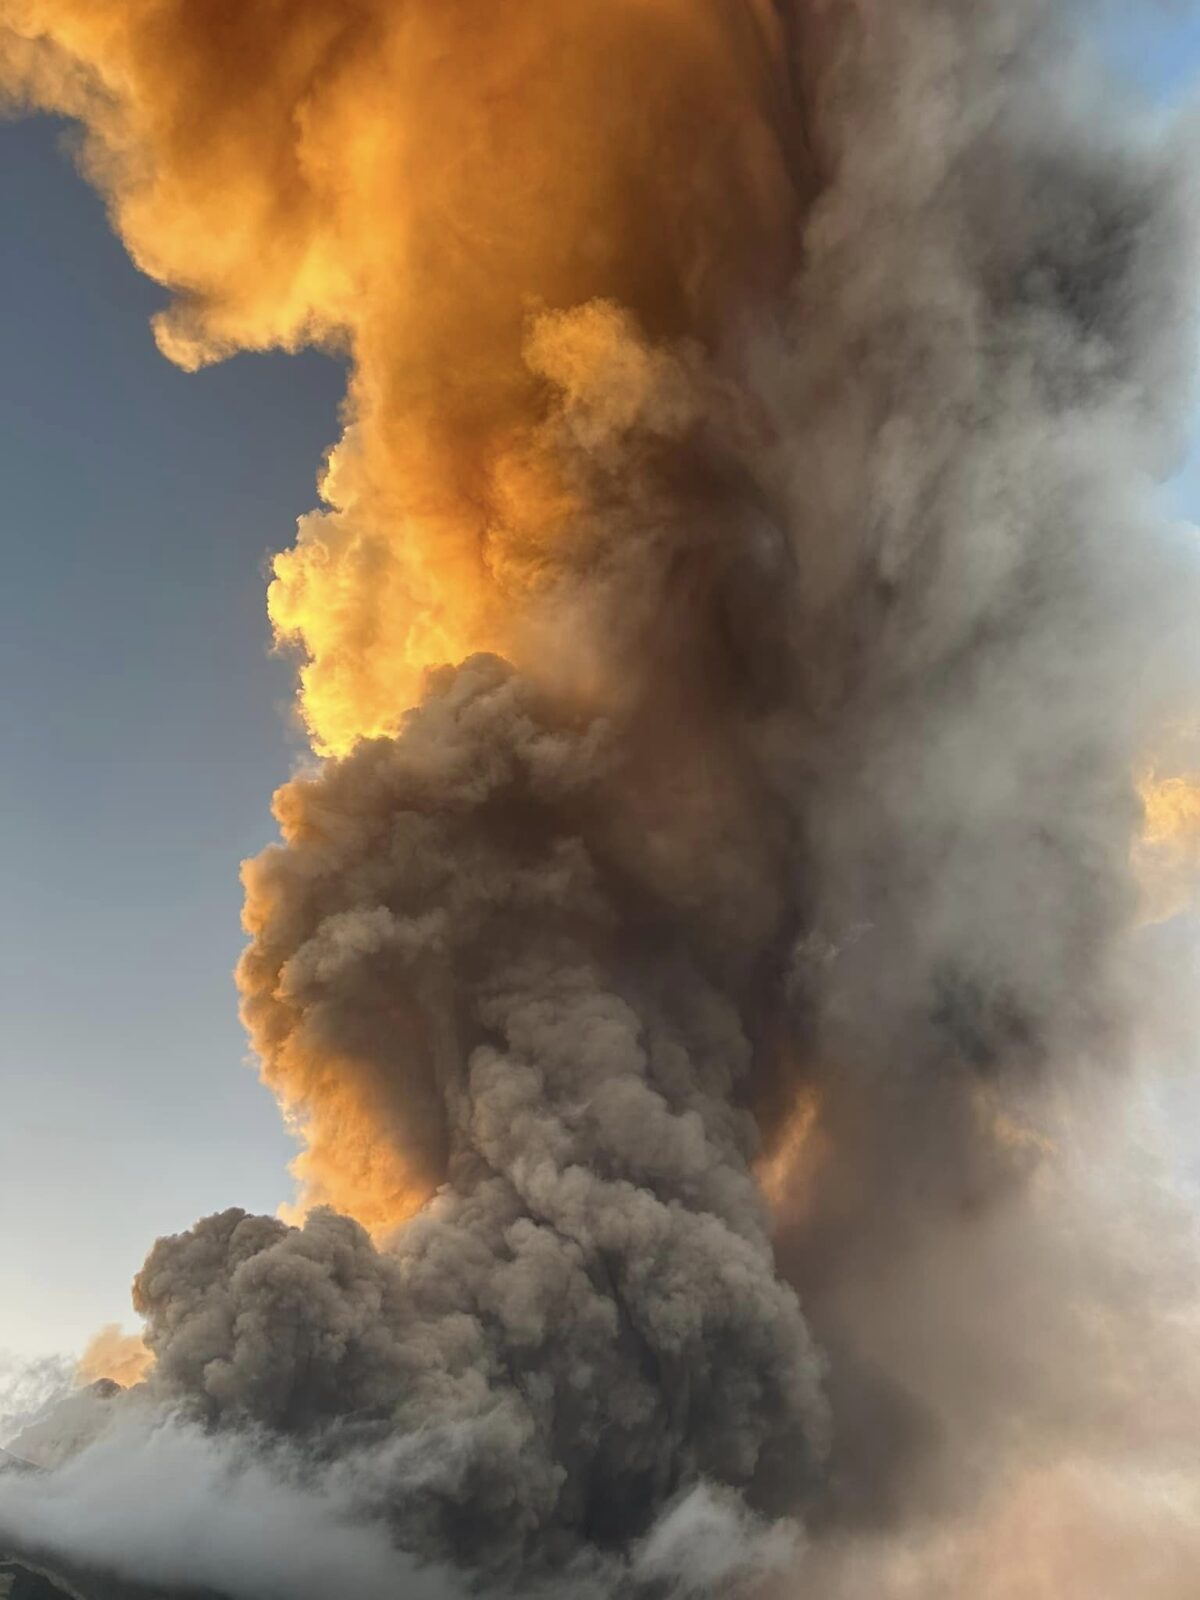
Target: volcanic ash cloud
(758, 407)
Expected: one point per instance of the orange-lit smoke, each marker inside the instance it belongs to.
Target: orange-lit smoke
(456, 196)
(115, 1355)
(1167, 854)
(410, 184)
(356, 1156)
(787, 1170)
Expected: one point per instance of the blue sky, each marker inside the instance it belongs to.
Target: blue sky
(144, 726)
(1156, 43)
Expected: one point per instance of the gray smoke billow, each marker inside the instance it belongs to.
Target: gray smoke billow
(886, 624)
(587, 1314)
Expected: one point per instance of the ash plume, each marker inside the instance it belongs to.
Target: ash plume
(759, 407)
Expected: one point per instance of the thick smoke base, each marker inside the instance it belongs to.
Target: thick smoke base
(587, 1316)
(250, 1519)
(782, 396)
(227, 1518)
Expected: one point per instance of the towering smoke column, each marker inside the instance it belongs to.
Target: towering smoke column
(759, 401)
(411, 184)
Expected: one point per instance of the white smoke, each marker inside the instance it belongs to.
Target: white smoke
(161, 1504)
